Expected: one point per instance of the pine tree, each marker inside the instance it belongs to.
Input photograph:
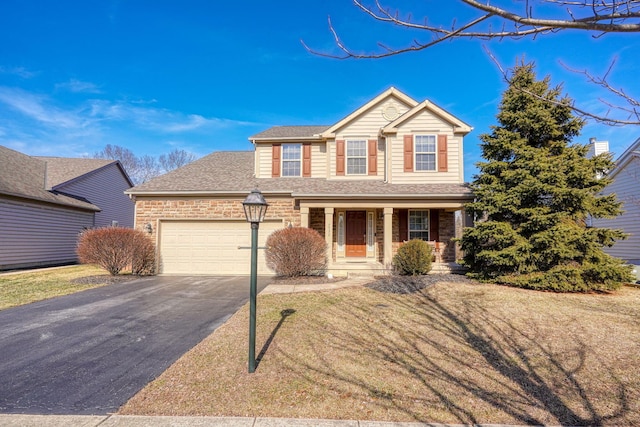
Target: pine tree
(534, 195)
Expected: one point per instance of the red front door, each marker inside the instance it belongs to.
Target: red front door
(356, 234)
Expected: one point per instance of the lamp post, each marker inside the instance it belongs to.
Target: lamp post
(255, 208)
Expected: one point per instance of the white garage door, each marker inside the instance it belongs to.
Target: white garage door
(211, 247)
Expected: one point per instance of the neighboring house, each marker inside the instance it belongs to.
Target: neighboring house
(46, 201)
(388, 172)
(626, 185)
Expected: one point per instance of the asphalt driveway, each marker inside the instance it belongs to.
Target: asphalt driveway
(89, 352)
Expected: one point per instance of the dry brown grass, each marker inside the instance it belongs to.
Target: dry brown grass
(452, 353)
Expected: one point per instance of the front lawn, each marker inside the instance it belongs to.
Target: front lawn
(460, 353)
(26, 287)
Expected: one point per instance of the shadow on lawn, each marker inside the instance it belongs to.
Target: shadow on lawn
(283, 316)
(463, 350)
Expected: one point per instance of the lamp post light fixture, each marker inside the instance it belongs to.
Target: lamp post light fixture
(255, 208)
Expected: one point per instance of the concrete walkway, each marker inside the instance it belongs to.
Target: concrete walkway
(141, 421)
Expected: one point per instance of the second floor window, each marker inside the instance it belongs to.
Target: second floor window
(291, 159)
(356, 157)
(425, 152)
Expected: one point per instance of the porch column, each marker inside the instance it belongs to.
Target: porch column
(304, 217)
(328, 234)
(387, 245)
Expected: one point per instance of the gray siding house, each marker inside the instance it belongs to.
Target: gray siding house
(626, 185)
(46, 201)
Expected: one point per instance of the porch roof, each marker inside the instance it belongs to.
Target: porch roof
(231, 173)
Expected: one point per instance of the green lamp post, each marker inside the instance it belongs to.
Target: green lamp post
(255, 208)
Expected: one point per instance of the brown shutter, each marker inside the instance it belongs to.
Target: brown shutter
(442, 153)
(434, 225)
(373, 157)
(408, 153)
(403, 225)
(340, 157)
(306, 159)
(275, 160)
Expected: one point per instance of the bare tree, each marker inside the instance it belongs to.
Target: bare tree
(175, 159)
(516, 20)
(142, 169)
(129, 161)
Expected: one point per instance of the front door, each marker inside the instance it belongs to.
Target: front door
(356, 234)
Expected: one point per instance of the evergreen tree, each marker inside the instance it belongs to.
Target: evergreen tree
(534, 195)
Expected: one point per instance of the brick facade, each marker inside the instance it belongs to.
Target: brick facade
(153, 210)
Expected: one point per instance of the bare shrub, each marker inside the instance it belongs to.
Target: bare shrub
(115, 248)
(297, 251)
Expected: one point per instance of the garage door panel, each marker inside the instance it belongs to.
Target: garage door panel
(211, 247)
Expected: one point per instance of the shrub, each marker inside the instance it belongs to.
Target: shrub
(114, 248)
(297, 251)
(413, 258)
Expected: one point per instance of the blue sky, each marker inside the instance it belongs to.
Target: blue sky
(205, 75)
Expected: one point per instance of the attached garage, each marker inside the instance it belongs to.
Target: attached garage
(211, 247)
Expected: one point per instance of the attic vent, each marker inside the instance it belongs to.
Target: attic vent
(390, 112)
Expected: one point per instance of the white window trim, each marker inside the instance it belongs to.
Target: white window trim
(428, 230)
(347, 157)
(282, 160)
(435, 152)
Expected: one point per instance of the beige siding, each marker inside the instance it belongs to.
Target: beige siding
(263, 157)
(366, 127)
(626, 185)
(426, 123)
(35, 235)
(318, 160)
(105, 189)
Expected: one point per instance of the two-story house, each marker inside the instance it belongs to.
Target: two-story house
(388, 172)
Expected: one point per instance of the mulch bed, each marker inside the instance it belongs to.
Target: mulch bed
(410, 284)
(305, 280)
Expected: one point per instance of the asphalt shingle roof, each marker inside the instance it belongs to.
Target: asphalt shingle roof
(62, 169)
(232, 172)
(303, 132)
(24, 176)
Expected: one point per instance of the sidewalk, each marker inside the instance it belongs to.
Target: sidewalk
(161, 421)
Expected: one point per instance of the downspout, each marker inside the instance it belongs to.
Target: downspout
(386, 157)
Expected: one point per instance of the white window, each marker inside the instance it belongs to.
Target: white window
(425, 152)
(419, 224)
(291, 159)
(357, 157)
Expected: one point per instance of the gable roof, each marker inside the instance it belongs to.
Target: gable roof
(630, 153)
(459, 125)
(24, 177)
(232, 173)
(62, 170)
(391, 92)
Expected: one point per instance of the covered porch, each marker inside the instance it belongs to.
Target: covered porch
(363, 236)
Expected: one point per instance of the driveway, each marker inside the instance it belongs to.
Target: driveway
(89, 352)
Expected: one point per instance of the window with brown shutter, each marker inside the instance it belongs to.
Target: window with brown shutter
(373, 157)
(340, 157)
(275, 161)
(442, 153)
(306, 159)
(408, 153)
